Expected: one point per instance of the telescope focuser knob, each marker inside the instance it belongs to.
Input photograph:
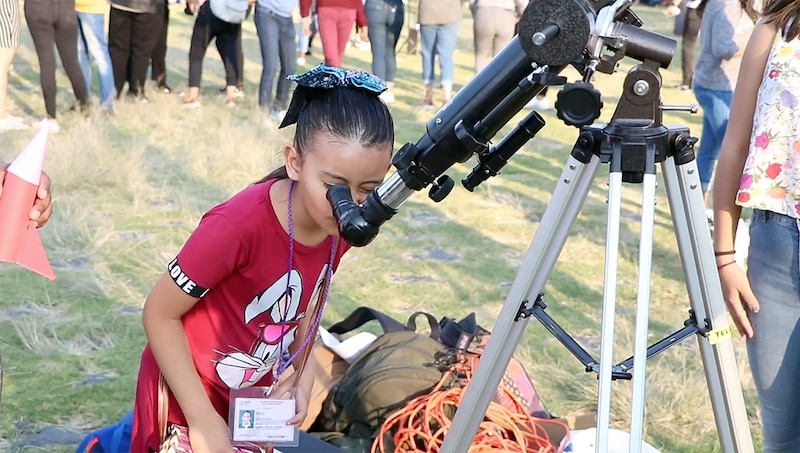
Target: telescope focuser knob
(441, 188)
(579, 104)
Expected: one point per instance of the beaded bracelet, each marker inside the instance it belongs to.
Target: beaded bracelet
(726, 264)
(726, 252)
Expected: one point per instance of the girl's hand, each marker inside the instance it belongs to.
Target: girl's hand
(42, 209)
(301, 401)
(739, 297)
(210, 435)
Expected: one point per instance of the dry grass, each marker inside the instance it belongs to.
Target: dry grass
(129, 189)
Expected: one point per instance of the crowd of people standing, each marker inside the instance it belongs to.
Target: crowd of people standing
(119, 41)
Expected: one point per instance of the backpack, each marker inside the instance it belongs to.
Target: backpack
(398, 366)
(231, 11)
(114, 438)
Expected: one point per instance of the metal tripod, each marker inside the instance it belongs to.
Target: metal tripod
(632, 143)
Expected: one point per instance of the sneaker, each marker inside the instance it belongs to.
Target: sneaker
(387, 97)
(191, 104)
(427, 104)
(13, 123)
(230, 103)
(301, 61)
(51, 123)
(165, 89)
(683, 87)
(278, 115)
(538, 104)
(136, 98)
(237, 93)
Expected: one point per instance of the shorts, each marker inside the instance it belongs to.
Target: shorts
(9, 24)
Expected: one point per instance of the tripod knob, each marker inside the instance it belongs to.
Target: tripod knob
(579, 104)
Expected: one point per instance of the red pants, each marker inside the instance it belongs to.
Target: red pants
(335, 26)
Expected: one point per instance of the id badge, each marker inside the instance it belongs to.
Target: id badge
(258, 415)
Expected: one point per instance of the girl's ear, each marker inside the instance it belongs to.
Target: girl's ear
(293, 162)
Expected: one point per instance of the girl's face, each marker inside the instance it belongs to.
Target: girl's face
(332, 160)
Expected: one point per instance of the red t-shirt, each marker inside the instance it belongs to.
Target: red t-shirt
(237, 262)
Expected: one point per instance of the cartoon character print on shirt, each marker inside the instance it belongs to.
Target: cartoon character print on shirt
(239, 369)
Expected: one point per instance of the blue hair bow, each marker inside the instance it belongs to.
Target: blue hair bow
(324, 77)
(327, 77)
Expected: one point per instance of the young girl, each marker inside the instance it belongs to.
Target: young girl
(758, 168)
(238, 298)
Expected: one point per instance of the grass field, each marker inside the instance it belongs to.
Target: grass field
(129, 189)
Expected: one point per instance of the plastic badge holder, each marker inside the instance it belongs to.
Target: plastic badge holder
(258, 415)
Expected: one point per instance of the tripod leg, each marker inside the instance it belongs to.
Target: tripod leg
(643, 300)
(705, 294)
(540, 259)
(609, 297)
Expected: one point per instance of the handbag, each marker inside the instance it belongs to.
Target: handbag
(175, 438)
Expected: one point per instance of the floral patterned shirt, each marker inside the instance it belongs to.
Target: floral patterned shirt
(772, 169)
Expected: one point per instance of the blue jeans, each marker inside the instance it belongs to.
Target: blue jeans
(438, 40)
(385, 20)
(774, 350)
(92, 46)
(277, 39)
(302, 40)
(716, 111)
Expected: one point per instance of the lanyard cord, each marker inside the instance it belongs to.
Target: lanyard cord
(312, 331)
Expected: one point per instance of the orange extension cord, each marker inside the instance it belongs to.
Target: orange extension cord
(422, 424)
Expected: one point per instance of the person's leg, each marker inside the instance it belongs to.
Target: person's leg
(201, 37)
(40, 17)
(158, 67)
(93, 39)
(446, 40)
(84, 59)
(119, 45)
(688, 45)
(267, 29)
(239, 61)
(328, 34)
(716, 111)
(98, 49)
(66, 38)
(503, 29)
(345, 21)
(483, 36)
(314, 32)
(226, 38)
(396, 20)
(144, 35)
(377, 12)
(774, 350)
(427, 34)
(302, 44)
(288, 62)
(6, 56)
(11, 24)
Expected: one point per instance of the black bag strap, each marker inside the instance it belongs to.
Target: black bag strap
(436, 331)
(363, 315)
